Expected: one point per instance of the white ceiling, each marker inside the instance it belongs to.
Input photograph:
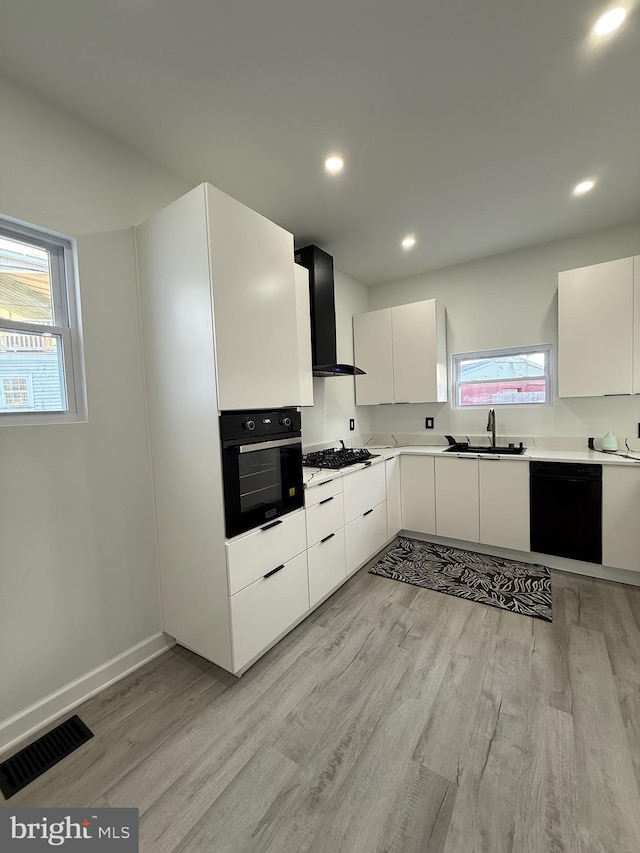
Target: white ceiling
(465, 122)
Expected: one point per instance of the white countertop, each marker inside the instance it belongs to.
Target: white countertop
(315, 476)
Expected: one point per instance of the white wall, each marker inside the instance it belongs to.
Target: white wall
(511, 300)
(334, 397)
(78, 568)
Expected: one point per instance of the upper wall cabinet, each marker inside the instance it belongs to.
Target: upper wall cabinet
(403, 352)
(226, 276)
(373, 353)
(599, 329)
(254, 306)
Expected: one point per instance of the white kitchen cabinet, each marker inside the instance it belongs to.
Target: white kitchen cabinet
(419, 352)
(596, 330)
(394, 497)
(363, 489)
(417, 488)
(325, 538)
(314, 493)
(305, 369)
(457, 500)
(245, 268)
(621, 517)
(327, 566)
(373, 353)
(253, 554)
(254, 305)
(219, 322)
(365, 536)
(636, 324)
(324, 518)
(365, 514)
(504, 503)
(403, 351)
(264, 611)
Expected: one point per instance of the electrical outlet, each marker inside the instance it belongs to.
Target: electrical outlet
(352, 424)
(428, 423)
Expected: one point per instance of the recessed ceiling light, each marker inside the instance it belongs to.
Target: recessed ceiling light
(583, 187)
(610, 21)
(409, 242)
(334, 163)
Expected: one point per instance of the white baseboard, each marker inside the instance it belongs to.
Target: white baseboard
(26, 723)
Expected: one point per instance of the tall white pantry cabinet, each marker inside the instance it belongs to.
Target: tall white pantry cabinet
(218, 302)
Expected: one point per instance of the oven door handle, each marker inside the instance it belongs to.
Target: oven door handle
(266, 445)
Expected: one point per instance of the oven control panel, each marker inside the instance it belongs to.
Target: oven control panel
(259, 424)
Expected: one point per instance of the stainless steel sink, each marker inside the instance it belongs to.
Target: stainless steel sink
(491, 450)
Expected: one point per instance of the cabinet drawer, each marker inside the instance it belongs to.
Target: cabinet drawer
(324, 518)
(326, 566)
(250, 557)
(264, 610)
(314, 494)
(365, 536)
(363, 490)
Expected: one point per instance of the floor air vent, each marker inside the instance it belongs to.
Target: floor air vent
(34, 760)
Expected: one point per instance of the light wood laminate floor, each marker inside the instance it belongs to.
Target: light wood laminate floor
(394, 719)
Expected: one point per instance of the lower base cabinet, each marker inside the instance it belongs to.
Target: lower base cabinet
(365, 536)
(620, 518)
(483, 500)
(326, 566)
(457, 510)
(504, 503)
(265, 609)
(417, 487)
(394, 497)
(474, 500)
(252, 555)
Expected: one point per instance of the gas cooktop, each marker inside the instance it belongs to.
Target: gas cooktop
(337, 458)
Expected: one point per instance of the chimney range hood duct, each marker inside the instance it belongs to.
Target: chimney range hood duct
(323, 313)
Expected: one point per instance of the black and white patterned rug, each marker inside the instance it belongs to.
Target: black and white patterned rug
(519, 587)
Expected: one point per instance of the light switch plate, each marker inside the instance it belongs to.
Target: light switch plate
(428, 423)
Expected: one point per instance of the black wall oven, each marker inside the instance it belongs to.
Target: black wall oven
(261, 467)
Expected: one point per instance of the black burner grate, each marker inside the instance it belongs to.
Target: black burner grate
(22, 768)
(337, 458)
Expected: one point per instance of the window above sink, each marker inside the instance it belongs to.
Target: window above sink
(514, 376)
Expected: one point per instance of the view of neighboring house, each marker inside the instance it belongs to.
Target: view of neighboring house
(517, 378)
(30, 367)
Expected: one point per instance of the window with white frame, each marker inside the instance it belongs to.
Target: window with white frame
(40, 344)
(16, 392)
(511, 377)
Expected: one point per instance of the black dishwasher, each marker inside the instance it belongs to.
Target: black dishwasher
(566, 510)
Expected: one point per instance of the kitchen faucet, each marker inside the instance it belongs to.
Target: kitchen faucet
(491, 426)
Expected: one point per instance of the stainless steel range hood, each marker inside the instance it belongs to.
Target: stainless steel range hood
(323, 313)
